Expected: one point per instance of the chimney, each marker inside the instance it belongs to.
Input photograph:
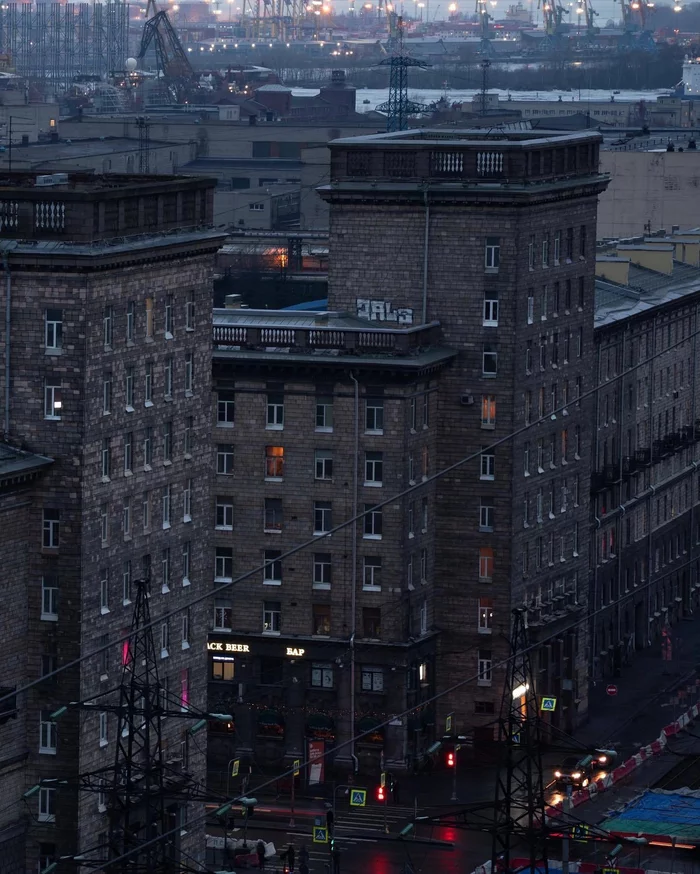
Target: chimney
(613, 269)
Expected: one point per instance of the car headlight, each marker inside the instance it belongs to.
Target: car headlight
(576, 775)
(602, 759)
(557, 774)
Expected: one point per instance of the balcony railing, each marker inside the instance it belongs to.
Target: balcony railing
(318, 338)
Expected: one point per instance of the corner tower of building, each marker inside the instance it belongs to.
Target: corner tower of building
(492, 234)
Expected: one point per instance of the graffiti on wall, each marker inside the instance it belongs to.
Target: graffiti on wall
(383, 311)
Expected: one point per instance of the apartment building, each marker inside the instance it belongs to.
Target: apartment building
(644, 481)
(461, 305)
(107, 354)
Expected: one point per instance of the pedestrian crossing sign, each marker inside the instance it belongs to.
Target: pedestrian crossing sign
(382, 779)
(549, 704)
(358, 797)
(320, 834)
(448, 724)
(234, 767)
(580, 832)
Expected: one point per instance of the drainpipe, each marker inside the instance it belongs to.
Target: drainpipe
(8, 325)
(426, 240)
(353, 596)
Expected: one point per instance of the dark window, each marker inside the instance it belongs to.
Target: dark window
(271, 671)
(371, 622)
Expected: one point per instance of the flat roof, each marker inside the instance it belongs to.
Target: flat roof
(658, 813)
(14, 463)
(471, 136)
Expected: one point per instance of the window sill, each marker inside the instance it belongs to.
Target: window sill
(224, 424)
(103, 743)
(276, 531)
(223, 630)
(371, 536)
(185, 581)
(322, 636)
(46, 817)
(166, 526)
(164, 589)
(189, 393)
(272, 633)
(489, 323)
(52, 350)
(485, 579)
(46, 752)
(189, 329)
(274, 427)
(184, 645)
(411, 535)
(223, 528)
(315, 533)
(148, 403)
(168, 335)
(168, 399)
(323, 430)
(127, 538)
(321, 586)
(487, 426)
(128, 408)
(375, 432)
(167, 462)
(164, 654)
(371, 588)
(106, 412)
(491, 270)
(223, 579)
(274, 479)
(485, 530)
(49, 617)
(483, 683)
(372, 484)
(485, 631)
(128, 473)
(187, 518)
(489, 375)
(272, 582)
(126, 602)
(103, 678)
(104, 611)
(488, 479)
(52, 418)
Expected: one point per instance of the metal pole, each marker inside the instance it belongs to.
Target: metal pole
(386, 803)
(245, 828)
(566, 808)
(353, 576)
(454, 778)
(294, 781)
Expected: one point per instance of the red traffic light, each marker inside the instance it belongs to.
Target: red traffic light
(380, 793)
(450, 760)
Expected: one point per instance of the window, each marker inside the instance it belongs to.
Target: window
(49, 661)
(544, 300)
(223, 667)
(47, 733)
(103, 729)
(169, 316)
(426, 410)
(485, 563)
(258, 206)
(485, 615)
(373, 522)
(129, 389)
(107, 394)
(323, 520)
(424, 514)
(489, 365)
(189, 311)
(186, 555)
(274, 462)
(185, 689)
(569, 244)
(492, 254)
(165, 500)
(425, 461)
(224, 513)
(224, 459)
(53, 399)
(167, 442)
(545, 251)
(490, 313)
(189, 373)
(147, 448)
(273, 514)
(486, 515)
(49, 598)
(275, 411)
(412, 414)
(322, 570)
(53, 330)
(223, 617)
(557, 247)
(189, 436)
(323, 464)
(272, 617)
(223, 572)
(484, 667)
(148, 385)
(107, 324)
(324, 414)
(128, 453)
(374, 416)
(373, 468)
(321, 620)
(530, 308)
(47, 804)
(372, 573)
(526, 458)
(168, 379)
(321, 675)
(104, 524)
(126, 582)
(187, 501)
(51, 523)
(484, 707)
(185, 630)
(106, 458)
(126, 517)
(424, 565)
(423, 617)
(488, 464)
(272, 572)
(104, 590)
(582, 241)
(372, 679)
(164, 639)
(531, 253)
(130, 321)
(371, 622)
(488, 411)
(582, 292)
(225, 409)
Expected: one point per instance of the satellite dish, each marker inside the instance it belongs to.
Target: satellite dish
(131, 64)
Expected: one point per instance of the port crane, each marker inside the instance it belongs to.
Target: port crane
(483, 17)
(553, 16)
(172, 64)
(635, 14)
(589, 14)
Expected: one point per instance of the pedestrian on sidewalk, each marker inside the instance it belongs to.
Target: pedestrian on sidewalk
(290, 857)
(260, 850)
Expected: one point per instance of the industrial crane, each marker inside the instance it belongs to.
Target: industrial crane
(553, 14)
(172, 63)
(482, 13)
(634, 21)
(586, 9)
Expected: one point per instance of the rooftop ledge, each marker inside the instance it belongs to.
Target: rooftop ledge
(318, 331)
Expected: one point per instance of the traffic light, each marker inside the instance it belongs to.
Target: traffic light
(381, 796)
(450, 759)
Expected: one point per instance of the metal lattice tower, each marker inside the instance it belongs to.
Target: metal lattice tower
(398, 107)
(136, 798)
(519, 800)
(144, 144)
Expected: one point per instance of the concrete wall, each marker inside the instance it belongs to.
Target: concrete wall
(648, 189)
